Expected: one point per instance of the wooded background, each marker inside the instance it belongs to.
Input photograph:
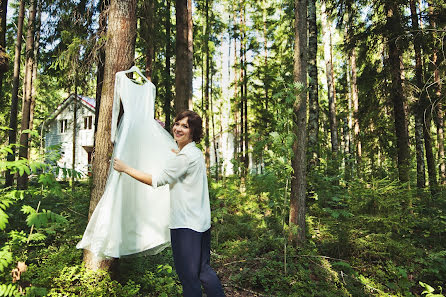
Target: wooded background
(335, 107)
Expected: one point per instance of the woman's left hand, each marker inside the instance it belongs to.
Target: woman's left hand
(118, 165)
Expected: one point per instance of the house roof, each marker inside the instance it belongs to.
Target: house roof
(88, 102)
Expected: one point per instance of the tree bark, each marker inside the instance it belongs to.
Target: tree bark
(326, 31)
(15, 91)
(73, 164)
(167, 99)
(298, 181)
(4, 59)
(355, 100)
(439, 113)
(206, 88)
(421, 170)
(425, 104)
(103, 5)
(313, 96)
(184, 56)
(393, 24)
(148, 29)
(245, 96)
(119, 55)
(22, 181)
(36, 63)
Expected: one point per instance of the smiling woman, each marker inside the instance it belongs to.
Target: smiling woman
(190, 213)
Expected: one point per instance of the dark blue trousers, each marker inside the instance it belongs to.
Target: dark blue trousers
(191, 255)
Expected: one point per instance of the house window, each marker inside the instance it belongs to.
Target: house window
(63, 124)
(88, 122)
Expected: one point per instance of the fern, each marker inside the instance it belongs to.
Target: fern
(4, 203)
(41, 219)
(9, 290)
(5, 258)
(37, 237)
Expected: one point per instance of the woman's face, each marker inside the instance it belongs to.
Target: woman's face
(182, 132)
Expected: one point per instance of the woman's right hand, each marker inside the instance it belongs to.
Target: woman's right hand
(118, 165)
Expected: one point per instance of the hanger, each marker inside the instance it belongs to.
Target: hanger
(136, 69)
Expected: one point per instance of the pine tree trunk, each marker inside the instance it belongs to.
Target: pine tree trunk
(242, 96)
(184, 56)
(265, 57)
(149, 35)
(103, 6)
(348, 125)
(425, 104)
(419, 143)
(357, 140)
(245, 97)
(298, 180)
(326, 31)
(15, 91)
(421, 172)
(313, 96)
(206, 88)
(440, 140)
(35, 65)
(4, 60)
(167, 99)
(119, 55)
(433, 67)
(73, 164)
(396, 93)
(22, 181)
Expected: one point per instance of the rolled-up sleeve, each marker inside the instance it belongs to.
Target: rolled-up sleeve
(175, 168)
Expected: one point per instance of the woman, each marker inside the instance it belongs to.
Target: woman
(190, 215)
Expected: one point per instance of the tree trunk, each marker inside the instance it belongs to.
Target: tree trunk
(425, 104)
(73, 164)
(119, 55)
(265, 57)
(103, 6)
(245, 96)
(148, 25)
(433, 67)
(15, 91)
(421, 170)
(184, 56)
(313, 96)
(167, 99)
(214, 141)
(22, 181)
(357, 140)
(206, 88)
(348, 125)
(396, 93)
(4, 59)
(298, 181)
(242, 94)
(326, 31)
(35, 65)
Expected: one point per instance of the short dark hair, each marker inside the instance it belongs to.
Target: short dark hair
(195, 123)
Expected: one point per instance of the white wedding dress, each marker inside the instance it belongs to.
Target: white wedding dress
(132, 217)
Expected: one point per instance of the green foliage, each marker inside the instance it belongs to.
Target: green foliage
(77, 281)
(429, 291)
(43, 218)
(5, 258)
(9, 290)
(161, 282)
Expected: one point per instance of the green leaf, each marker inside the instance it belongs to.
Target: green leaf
(5, 258)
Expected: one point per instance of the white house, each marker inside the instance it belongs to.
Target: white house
(59, 130)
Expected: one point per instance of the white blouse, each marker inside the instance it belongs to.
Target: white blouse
(189, 195)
